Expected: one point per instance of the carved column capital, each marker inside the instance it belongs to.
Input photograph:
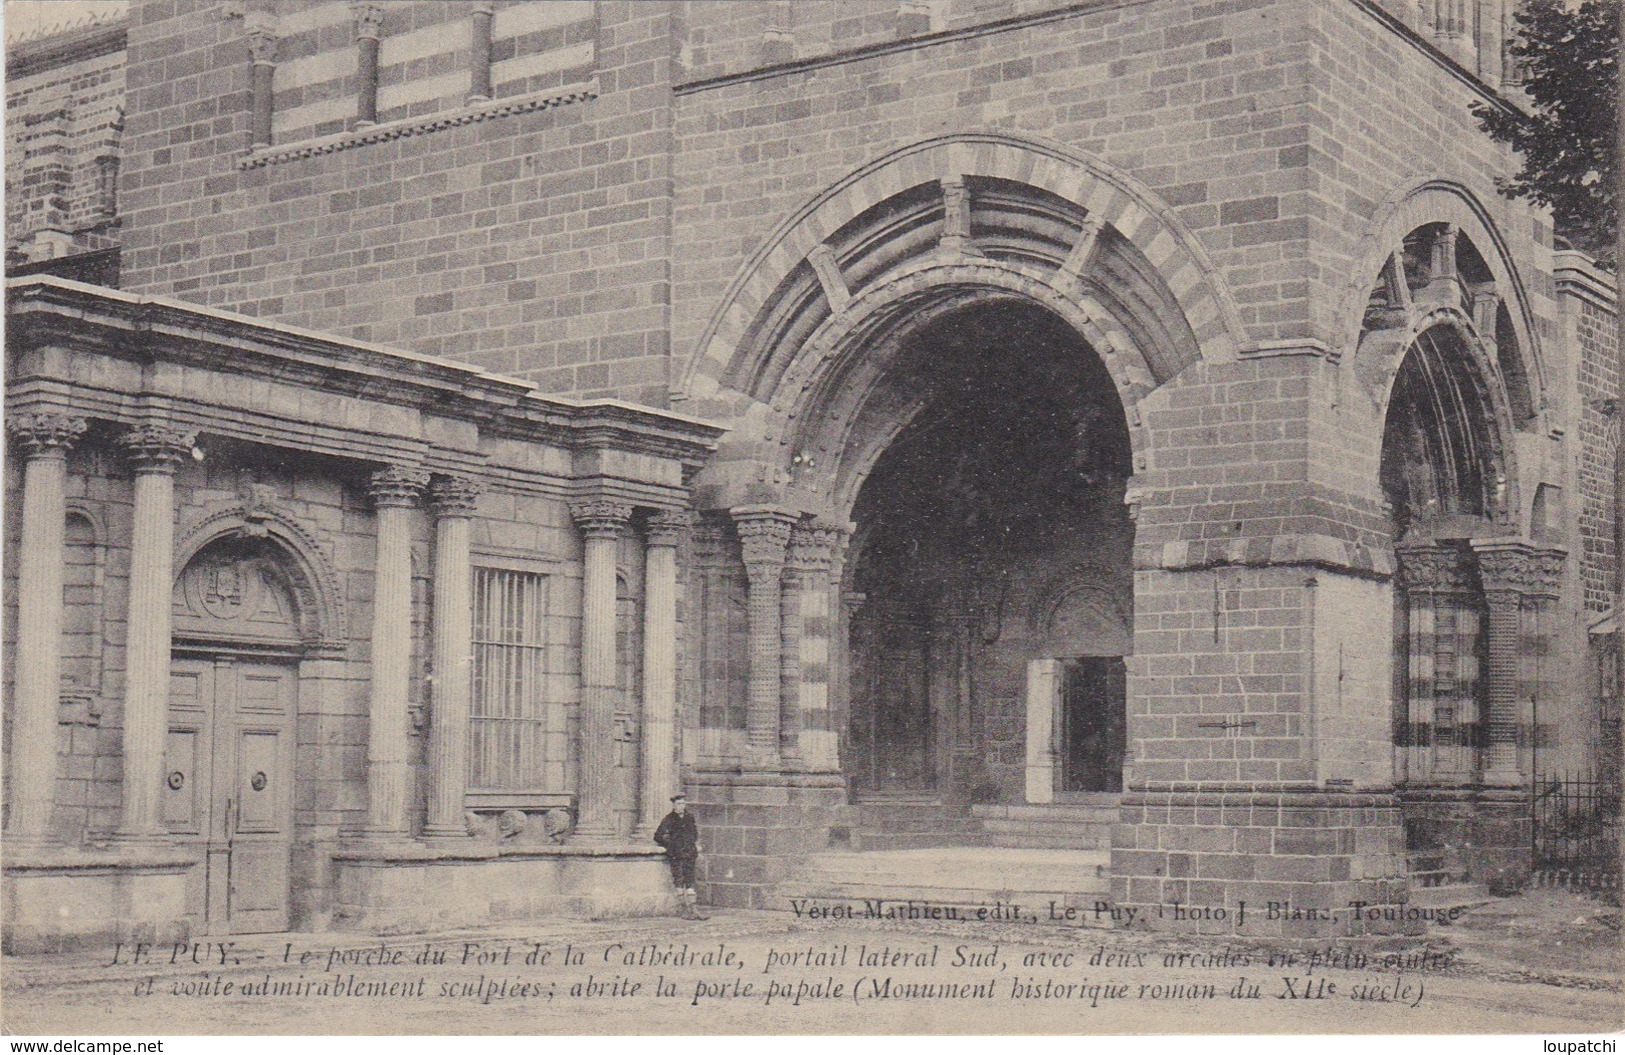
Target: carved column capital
(45, 434)
(397, 486)
(601, 518)
(368, 18)
(261, 43)
(814, 547)
(157, 448)
(764, 535)
(1427, 566)
(454, 496)
(1513, 568)
(668, 527)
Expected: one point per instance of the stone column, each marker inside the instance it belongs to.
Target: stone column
(1441, 651)
(368, 17)
(664, 534)
(479, 59)
(764, 532)
(395, 493)
(602, 523)
(1444, 281)
(454, 501)
(807, 636)
(45, 440)
(156, 451)
(1513, 572)
(262, 56)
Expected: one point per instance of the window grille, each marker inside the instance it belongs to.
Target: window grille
(515, 733)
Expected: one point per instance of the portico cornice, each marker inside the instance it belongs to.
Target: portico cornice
(232, 375)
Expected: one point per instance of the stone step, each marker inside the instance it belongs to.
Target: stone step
(1450, 895)
(996, 825)
(1105, 809)
(1074, 840)
(871, 840)
(985, 868)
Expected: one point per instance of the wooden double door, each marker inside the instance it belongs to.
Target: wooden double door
(228, 778)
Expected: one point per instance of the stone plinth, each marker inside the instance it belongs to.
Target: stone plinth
(59, 900)
(1485, 831)
(404, 891)
(1190, 860)
(756, 828)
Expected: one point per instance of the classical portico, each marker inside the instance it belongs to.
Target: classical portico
(351, 694)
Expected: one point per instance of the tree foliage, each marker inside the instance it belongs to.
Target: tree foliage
(1569, 57)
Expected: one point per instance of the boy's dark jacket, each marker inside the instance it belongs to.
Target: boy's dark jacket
(679, 835)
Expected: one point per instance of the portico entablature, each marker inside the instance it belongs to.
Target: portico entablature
(121, 358)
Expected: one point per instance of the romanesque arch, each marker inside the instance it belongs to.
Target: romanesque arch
(945, 352)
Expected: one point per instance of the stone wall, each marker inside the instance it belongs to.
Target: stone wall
(64, 119)
(533, 243)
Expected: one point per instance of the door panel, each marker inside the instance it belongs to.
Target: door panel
(230, 750)
(184, 813)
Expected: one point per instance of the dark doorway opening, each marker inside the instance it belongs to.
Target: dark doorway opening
(1007, 478)
(1094, 698)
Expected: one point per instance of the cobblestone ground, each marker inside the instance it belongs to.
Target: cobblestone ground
(1548, 962)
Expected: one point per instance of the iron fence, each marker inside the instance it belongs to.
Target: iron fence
(1576, 827)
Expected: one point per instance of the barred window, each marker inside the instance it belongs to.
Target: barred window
(516, 736)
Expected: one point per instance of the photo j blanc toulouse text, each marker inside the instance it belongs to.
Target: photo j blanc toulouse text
(699, 516)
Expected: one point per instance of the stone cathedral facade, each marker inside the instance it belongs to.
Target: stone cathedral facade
(439, 431)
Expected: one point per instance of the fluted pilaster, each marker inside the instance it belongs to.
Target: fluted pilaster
(156, 452)
(395, 493)
(602, 524)
(663, 535)
(454, 500)
(45, 440)
(764, 534)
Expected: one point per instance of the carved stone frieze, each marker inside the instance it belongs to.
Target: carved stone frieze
(1434, 568)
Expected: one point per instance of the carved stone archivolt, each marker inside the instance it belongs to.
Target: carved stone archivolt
(302, 560)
